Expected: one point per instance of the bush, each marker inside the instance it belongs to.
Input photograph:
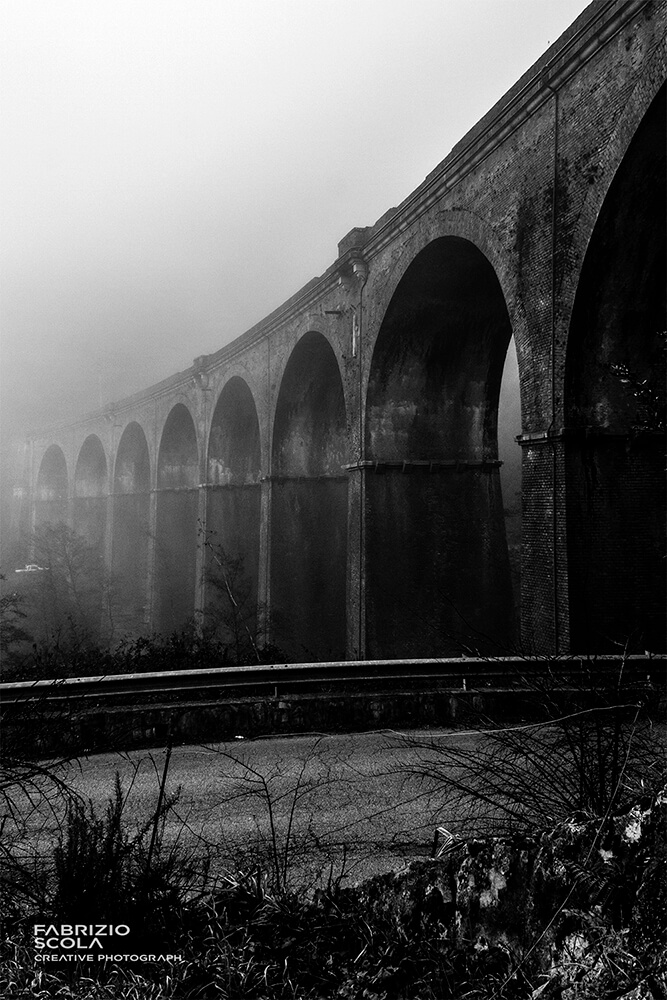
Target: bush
(595, 751)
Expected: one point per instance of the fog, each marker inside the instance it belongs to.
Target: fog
(172, 170)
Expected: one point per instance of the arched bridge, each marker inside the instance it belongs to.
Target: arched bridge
(346, 447)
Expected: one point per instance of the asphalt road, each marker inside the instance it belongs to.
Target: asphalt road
(309, 807)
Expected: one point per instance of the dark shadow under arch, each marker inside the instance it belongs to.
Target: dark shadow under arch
(177, 511)
(131, 529)
(233, 518)
(89, 507)
(437, 569)
(52, 488)
(309, 505)
(615, 398)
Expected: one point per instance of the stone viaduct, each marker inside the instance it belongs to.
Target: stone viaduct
(346, 446)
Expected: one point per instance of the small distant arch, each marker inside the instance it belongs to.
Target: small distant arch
(233, 511)
(234, 450)
(89, 507)
(177, 464)
(132, 471)
(90, 476)
(177, 513)
(52, 480)
(310, 427)
(131, 529)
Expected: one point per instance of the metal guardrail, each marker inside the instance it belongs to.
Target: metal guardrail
(281, 680)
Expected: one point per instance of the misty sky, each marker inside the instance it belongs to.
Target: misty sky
(172, 170)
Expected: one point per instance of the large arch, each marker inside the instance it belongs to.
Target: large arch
(89, 508)
(233, 515)
(131, 528)
(309, 505)
(176, 522)
(52, 488)
(615, 398)
(437, 568)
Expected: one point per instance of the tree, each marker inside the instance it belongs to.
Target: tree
(72, 601)
(13, 636)
(233, 614)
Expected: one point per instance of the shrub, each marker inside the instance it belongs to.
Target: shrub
(595, 751)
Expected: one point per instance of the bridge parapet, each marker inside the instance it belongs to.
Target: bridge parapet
(117, 712)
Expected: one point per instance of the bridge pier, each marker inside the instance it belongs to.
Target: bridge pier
(200, 560)
(437, 569)
(263, 559)
(544, 571)
(356, 564)
(151, 547)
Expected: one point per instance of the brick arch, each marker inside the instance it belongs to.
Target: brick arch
(89, 504)
(234, 434)
(178, 451)
(309, 502)
(445, 330)
(233, 514)
(177, 513)
(91, 471)
(52, 476)
(51, 488)
(438, 574)
(309, 324)
(467, 225)
(310, 413)
(129, 446)
(130, 545)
